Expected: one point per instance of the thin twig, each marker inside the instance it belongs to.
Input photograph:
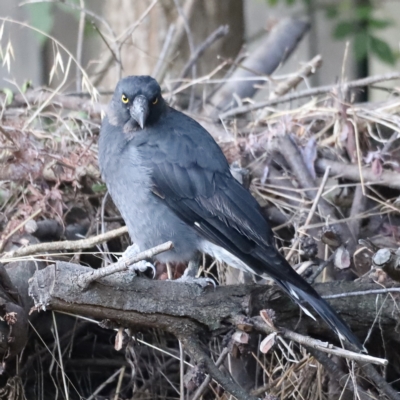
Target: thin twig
(207, 380)
(293, 81)
(310, 214)
(121, 265)
(79, 45)
(181, 372)
(164, 51)
(195, 349)
(321, 267)
(337, 374)
(362, 293)
(64, 245)
(60, 356)
(191, 47)
(105, 383)
(308, 93)
(385, 387)
(325, 347)
(351, 171)
(214, 36)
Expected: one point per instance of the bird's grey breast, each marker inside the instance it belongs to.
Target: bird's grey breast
(127, 171)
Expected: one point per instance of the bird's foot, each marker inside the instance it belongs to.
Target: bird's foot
(202, 282)
(140, 266)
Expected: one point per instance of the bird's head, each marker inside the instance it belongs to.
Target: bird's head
(136, 103)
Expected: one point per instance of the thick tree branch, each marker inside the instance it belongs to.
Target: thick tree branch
(148, 303)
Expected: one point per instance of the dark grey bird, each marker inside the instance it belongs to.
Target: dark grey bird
(171, 181)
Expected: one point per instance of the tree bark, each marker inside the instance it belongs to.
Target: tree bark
(180, 307)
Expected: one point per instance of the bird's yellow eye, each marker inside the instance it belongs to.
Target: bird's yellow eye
(124, 99)
(155, 101)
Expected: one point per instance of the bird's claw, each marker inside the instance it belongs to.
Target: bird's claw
(202, 282)
(140, 266)
(143, 266)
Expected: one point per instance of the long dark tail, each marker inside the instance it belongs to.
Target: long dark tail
(324, 310)
(268, 262)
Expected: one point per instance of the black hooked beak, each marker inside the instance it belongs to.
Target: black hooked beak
(140, 110)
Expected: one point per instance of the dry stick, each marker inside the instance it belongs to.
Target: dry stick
(84, 280)
(310, 214)
(338, 375)
(291, 153)
(357, 207)
(385, 387)
(321, 267)
(119, 383)
(362, 293)
(351, 171)
(64, 245)
(19, 226)
(105, 383)
(181, 372)
(273, 50)
(164, 50)
(310, 92)
(195, 349)
(60, 356)
(207, 380)
(306, 341)
(214, 36)
(308, 69)
(188, 9)
(79, 44)
(191, 47)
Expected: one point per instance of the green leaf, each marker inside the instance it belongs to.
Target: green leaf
(382, 50)
(41, 17)
(331, 12)
(26, 85)
(344, 29)
(9, 95)
(98, 187)
(290, 2)
(272, 2)
(379, 23)
(364, 13)
(360, 45)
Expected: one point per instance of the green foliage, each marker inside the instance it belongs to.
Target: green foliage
(360, 45)
(343, 29)
(382, 50)
(99, 187)
(41, 17)
(9, 95)
(358, 25)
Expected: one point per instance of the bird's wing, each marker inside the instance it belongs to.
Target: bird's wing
(190, 173)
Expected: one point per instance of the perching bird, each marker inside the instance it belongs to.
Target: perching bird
(171, 181)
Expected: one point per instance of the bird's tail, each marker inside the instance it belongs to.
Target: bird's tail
(324, 310)
(268, 262)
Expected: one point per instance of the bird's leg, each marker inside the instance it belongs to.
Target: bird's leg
(140, 266)
(190, 273)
